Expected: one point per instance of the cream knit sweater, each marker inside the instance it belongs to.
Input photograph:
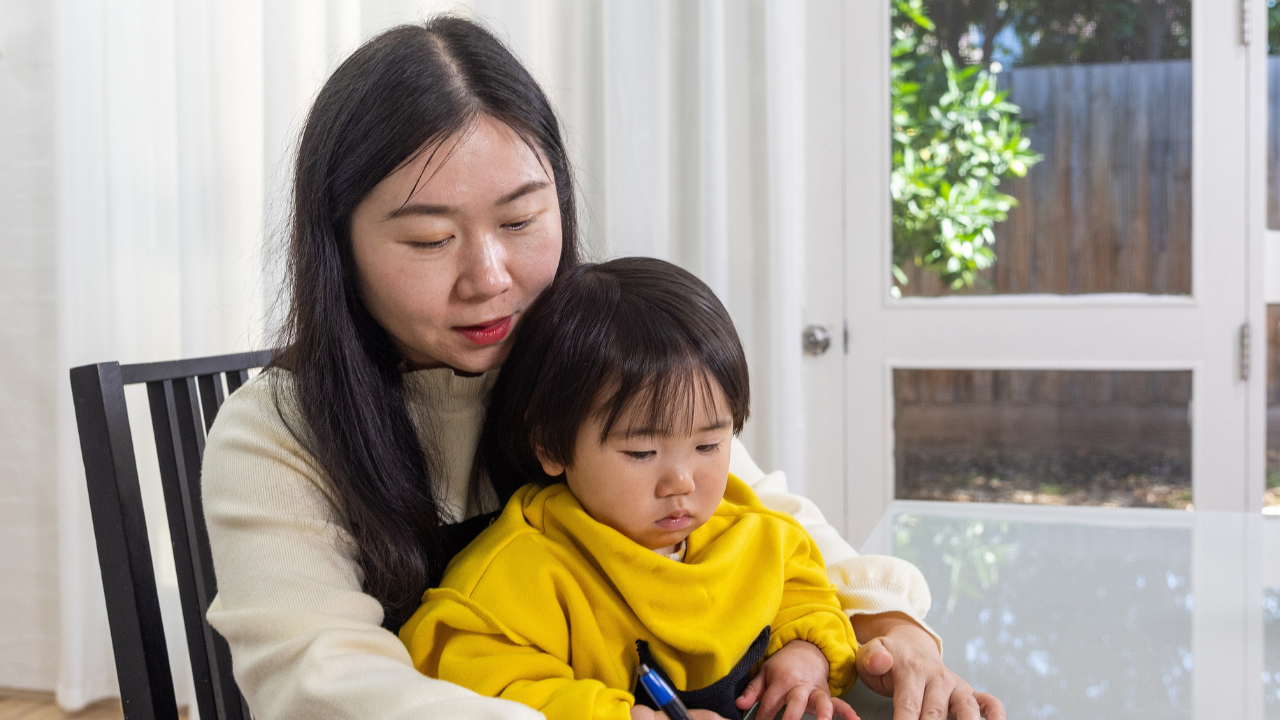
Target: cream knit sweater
(307, 643)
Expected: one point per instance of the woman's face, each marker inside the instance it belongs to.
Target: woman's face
(448, 268)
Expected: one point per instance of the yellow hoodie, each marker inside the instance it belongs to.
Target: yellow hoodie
(546, 606)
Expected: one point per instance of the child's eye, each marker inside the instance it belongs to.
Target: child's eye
(712, 447)
(638, 454)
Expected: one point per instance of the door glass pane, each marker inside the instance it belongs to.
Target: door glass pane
(1041, 147)
(1055, 437)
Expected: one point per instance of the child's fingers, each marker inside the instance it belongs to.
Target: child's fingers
(772, 699)
(820, 705)
(797, 701)
(640, 712)
(752, 693)
(842, 710)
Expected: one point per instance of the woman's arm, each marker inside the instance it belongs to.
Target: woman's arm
(306, 642)
(865, 584)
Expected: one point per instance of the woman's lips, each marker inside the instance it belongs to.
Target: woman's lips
(487, 333)
(675, 521)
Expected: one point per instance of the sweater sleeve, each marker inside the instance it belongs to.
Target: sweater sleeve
(865, 584)
(456, 639)
(305, 641)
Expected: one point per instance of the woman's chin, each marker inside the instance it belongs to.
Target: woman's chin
(478, 360)
(469, 361)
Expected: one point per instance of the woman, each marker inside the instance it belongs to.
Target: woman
(432, 203)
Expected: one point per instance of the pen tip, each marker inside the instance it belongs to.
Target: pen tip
(644, 668)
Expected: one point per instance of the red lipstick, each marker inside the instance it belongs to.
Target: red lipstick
(487, 333)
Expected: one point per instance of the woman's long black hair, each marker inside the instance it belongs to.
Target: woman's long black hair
(402, 91)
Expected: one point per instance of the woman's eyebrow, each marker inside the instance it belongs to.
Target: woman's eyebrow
(421, 209)
(426, 209)
(525, 189)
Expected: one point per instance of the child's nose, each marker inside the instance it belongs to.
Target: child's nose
(677, 480)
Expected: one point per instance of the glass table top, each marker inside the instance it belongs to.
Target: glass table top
(1101, 612)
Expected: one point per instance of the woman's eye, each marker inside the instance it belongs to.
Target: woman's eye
(712, 447)
(520, 225)
(430, 244)
(638, 454)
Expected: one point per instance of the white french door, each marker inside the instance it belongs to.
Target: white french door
(1204, 332)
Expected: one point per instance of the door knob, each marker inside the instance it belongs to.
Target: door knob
(816, 340)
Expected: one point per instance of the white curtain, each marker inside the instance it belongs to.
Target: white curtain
(174, 123)
(158, 166)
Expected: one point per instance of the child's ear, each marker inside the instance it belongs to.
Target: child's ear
(549, 466)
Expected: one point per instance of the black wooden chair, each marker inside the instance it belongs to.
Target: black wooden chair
(184, 398)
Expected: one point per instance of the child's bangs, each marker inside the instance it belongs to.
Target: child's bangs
(663, 401)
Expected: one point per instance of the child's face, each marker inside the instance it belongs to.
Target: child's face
(655, 489)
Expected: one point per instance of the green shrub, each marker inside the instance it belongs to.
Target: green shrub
(955, 136)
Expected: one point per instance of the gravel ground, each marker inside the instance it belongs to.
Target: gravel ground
(1099, 477)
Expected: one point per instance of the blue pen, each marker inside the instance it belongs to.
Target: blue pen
(662, 694)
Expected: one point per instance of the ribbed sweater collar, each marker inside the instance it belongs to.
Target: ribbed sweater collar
(446, 391)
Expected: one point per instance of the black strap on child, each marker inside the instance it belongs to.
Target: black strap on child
(717, 697)
(453, 538)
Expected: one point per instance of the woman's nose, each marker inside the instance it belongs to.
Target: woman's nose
(484, 269)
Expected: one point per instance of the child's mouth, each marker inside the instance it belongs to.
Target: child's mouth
(675, 521)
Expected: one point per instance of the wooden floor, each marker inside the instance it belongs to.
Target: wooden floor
(16, 705)
(28, 705)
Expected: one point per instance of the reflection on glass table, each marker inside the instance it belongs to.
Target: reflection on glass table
(1100, 613)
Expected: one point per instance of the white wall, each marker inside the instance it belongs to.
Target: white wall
(28, 491)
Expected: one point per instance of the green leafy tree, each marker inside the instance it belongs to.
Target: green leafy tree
(1056, 32)
(955, 135)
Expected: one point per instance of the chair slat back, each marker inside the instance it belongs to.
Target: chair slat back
(184, 398)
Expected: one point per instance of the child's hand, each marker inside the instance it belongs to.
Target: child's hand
(640, 712)
(796, 676)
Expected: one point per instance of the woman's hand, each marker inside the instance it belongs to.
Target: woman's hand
(795, 676)
(898, 658)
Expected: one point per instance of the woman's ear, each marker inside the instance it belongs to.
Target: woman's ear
(549, 466)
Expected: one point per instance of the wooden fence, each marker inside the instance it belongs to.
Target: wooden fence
(1109, 207)
(1043, 409)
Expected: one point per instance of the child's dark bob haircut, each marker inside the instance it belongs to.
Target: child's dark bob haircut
(635, 337)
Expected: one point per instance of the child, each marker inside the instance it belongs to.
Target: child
(631, 542)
